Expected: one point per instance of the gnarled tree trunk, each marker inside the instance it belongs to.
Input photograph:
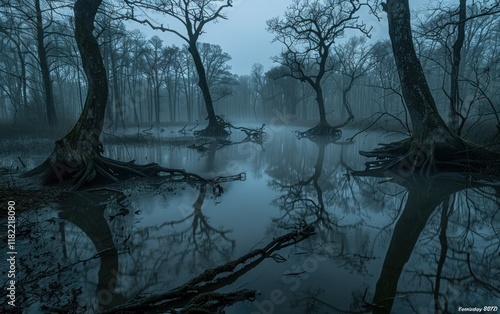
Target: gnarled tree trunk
(425, 118)
(73, 155)
(433, 147)
(214, 128)
(77, 156)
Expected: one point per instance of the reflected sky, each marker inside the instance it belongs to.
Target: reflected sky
(105, 248)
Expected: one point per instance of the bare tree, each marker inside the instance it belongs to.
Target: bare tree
(353, 61)
(44, 66)
(219, 77)
(257, 77)
(433, 146)
(74, 153)
(288, 89)
(193, 16)
(155, 63)
(173, 69)
(452, 38)
(37, 18)
(14, 85)
(308, 31)
(77, 157)
(113, 38)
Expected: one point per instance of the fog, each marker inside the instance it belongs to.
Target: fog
(250, 156)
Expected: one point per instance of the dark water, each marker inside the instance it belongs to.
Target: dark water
(376, 241)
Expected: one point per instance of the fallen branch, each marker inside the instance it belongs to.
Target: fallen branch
(198, 294)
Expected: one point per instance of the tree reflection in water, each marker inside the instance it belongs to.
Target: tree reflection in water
(99, 227)
(443, 228)
(298, 201)
(410, 245)
(443, 246)
(323, 199)
(200, 241)
(58, 269)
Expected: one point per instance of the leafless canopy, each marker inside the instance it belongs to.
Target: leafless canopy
(192, 14)
(310, 28)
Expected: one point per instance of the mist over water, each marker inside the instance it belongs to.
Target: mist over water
(250, 157)
(165, 233)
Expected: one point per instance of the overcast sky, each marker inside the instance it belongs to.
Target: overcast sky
(243, 35)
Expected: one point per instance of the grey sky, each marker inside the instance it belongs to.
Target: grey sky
(243, 35)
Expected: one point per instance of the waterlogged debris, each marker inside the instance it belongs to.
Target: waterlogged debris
(199, 294)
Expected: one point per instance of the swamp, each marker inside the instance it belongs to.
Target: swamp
(357, 171)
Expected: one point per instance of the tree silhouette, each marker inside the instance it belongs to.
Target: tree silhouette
(433, 146)
(308, 31)
(193, 16)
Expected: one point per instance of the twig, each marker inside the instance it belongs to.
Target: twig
(487, 285)
(22, 163)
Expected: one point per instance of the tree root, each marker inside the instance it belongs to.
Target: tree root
(256, 136)
(198, 294)
(78, 167)
(223, 128)
(428, 157)
(214, 129)
(322, 131)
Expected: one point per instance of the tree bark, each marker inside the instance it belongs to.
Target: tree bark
(72, 158)
(91, 121)
(425, 118)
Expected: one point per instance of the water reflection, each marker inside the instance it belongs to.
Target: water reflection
(414, 246)
(110, 238)
(88, 215)
(301, 198)
(201, 242)
(429, 233)
(314, 186)
(448, 267)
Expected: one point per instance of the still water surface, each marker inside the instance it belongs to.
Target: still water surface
(162, 234)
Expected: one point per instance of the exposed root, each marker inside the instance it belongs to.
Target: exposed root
(79, 168)
(217, 129)
(427, 157)
(223, 128)
(252, 135)
(256, 136)
(212, 131)
(322, 131)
